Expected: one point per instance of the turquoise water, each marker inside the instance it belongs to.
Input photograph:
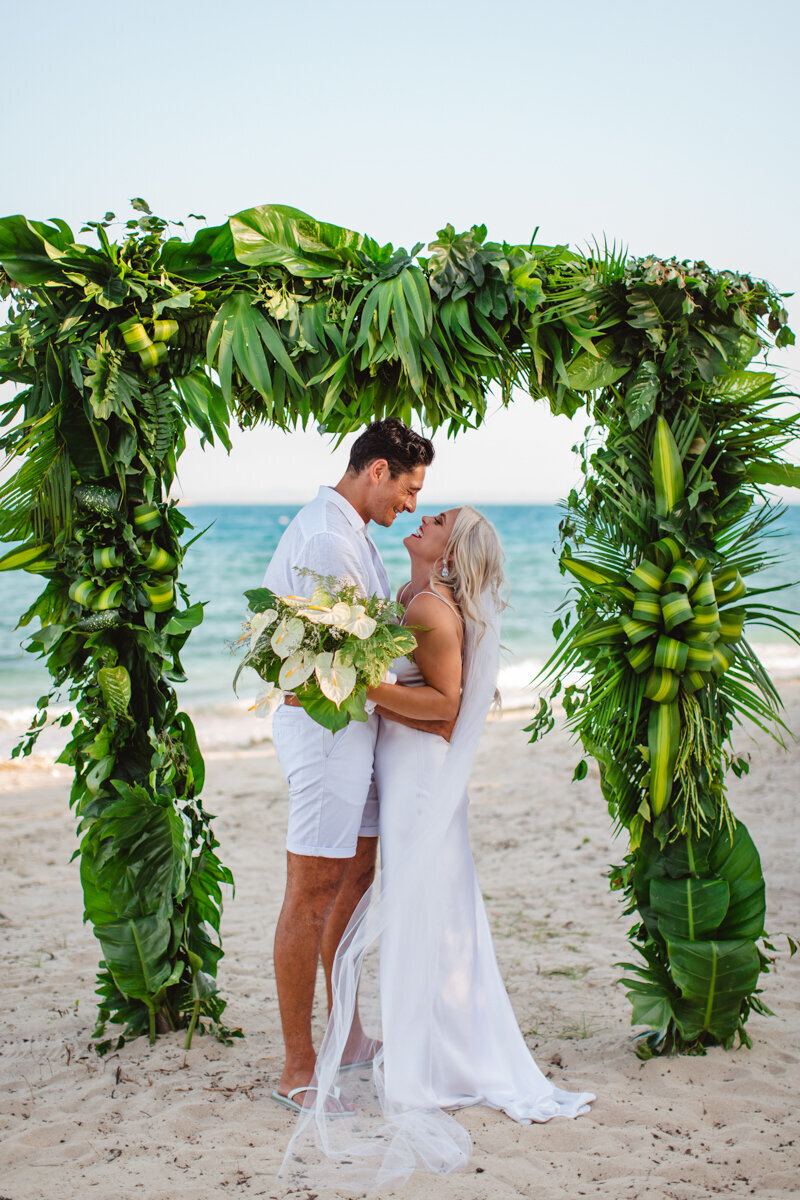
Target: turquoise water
(233, 553)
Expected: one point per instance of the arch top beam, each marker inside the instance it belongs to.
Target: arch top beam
(303, 320)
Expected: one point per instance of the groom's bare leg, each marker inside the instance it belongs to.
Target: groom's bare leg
(312, 887)
(358, 877)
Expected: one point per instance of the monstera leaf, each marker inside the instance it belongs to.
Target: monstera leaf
(135, 859)
(277, 235)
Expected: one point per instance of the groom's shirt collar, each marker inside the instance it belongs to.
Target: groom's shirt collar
(327, 537)
(333, 497)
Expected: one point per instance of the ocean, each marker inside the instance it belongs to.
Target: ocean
(233, 552)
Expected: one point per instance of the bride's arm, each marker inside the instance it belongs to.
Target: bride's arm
(438, 656)
(442, 728)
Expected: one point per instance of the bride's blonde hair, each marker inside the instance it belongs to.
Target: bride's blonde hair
(474, 560)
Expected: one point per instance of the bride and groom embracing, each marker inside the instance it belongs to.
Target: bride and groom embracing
(448, 1035)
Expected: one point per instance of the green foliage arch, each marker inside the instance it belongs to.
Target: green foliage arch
(116, 349)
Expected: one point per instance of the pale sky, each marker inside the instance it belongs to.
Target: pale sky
(671, 128)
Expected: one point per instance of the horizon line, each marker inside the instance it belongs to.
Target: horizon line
(188, 502)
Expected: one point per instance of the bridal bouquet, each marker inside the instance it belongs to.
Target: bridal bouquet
(327, 648)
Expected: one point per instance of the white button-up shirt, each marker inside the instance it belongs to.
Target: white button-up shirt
(328, 537)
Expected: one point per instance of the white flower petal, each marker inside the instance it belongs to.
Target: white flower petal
(336, 679)
(319, 614)
(258, 623)
(341, 613)
(267, 700)
(296, 670)
(362, 627)
(287, 637)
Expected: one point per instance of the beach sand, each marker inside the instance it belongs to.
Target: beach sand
(163, 1123)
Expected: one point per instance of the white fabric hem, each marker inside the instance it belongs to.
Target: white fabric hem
(323, 851)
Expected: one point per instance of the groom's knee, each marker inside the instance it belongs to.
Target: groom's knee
(312, 885)
(361, 870)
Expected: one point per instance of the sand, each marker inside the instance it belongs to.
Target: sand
(168, 1124)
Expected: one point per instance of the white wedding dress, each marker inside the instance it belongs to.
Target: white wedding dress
(450, 1037)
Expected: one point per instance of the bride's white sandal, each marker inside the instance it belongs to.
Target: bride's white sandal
(288, 1101)
(363, 1062)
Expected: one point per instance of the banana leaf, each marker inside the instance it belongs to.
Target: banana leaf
(735, 858)
(135, 952)
(714, 977)
(687, 909)
(685, 856)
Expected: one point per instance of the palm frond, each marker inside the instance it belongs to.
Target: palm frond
(37, 499)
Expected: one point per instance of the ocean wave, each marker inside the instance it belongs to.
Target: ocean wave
(221, 720)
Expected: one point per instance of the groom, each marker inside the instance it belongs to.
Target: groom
(333, 805)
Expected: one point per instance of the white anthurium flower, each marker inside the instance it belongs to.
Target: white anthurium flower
(287, 637)
(359, 623)
(259, 623)
(318, 614)
(341, 613)
(336, 679)
(267, 700)
(296, 670)
(295, 601)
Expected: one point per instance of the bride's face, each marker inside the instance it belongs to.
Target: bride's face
(428, 543)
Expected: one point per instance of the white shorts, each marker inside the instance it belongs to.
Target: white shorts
(333, 800)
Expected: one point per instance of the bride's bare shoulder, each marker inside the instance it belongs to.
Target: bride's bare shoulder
(402, 592)
(434, 610)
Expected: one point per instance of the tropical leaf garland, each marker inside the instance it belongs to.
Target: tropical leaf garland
(667, 535)
(116, 349)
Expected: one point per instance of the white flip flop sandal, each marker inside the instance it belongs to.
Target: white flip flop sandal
(288, 1101)
(363, 1062)
(357, 1066)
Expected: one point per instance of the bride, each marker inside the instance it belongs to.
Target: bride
(449, 1037)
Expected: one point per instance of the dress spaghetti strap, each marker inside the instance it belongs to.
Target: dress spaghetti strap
(449, 603)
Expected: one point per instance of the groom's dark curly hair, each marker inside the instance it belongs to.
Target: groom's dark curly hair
(402, 448)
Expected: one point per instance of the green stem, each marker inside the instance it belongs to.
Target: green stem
(100, 451)
(152, 1021)
(187, 1045)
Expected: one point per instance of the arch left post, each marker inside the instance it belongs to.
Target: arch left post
(98, 343)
